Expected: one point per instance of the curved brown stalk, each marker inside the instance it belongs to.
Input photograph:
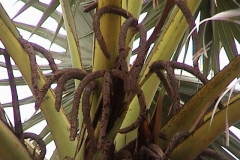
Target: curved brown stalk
(74, 73)
(48, 84)
(122, 48)
(108, 150)
(142, 112)
(31, 53)
(132, 88)
(106, 109)
(196, 72)
(86, 117)
(177, 138)
(77, 96)
(120, 63)
(130, 22)
(152, 151)
(158, 65)
(46, 54)
(155, 124)
(96, 24)
(138, 64)
(86, 80)
(165, 83)
(193, 70)
(160, 23)
(173, 82)
(189, 69)
(188, 15)
(77, 72)
(212, 154)
(40, 143)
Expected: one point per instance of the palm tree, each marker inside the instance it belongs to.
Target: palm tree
(142, 110)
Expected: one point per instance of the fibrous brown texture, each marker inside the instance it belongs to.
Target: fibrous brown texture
(119, 74)
(40, 142)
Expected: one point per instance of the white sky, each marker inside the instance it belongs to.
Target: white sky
(23, 91)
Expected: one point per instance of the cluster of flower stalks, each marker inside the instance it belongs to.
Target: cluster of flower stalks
(119, 86)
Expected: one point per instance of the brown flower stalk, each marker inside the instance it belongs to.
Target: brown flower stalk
(73, 73)
(31, 53)
(96, 24)
(174, 95)
(40, 142)
(188, 15)
(106, 109)
(177, 138)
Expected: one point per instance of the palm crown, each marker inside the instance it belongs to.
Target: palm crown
(139, 110)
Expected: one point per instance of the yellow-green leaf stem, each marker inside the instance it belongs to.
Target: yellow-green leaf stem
(57, 121)
(171, 35)
(134, 7)
(110, 28)
(8, 22)
(11, 148)
(186, 118)
(31, 148)
(135, 11)
(133, 113)
(163, 50)
(204, 136)
(73, 46)
(71, 35)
